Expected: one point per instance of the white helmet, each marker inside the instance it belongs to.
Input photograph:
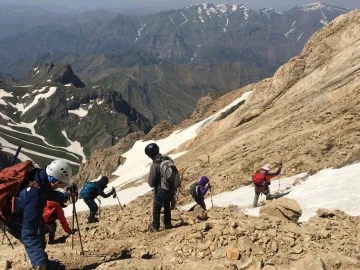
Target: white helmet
(60, 170)
(266, 167)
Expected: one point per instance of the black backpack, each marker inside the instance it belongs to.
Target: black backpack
(194, 191)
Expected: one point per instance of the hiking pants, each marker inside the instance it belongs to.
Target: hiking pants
(162, 198)
(50, 228)
(93, 208)
(201, 202)
(258, 191)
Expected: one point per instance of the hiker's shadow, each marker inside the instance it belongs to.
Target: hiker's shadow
(278, 196)
(125, 254)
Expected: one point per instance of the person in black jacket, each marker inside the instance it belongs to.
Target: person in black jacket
(162, 197)
(98, 190)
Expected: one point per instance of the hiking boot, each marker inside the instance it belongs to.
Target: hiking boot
(168, 226)
(152, 228)
(51, 240)
(94, 220)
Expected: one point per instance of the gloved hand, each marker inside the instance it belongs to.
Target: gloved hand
(114, 196)
(113, 192)
(209, 186)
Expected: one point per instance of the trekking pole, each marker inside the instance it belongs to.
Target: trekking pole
(73, 198)
(99, 200)
(119, 202)
(7, 237)
(212, 204)
(16, 154)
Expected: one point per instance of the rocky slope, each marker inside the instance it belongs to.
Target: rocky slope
(222, 238)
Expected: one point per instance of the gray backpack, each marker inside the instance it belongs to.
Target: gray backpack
(170, 177)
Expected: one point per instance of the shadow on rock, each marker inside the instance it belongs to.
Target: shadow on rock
(125, 254)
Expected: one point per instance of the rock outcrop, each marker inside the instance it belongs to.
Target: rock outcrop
(284, 209)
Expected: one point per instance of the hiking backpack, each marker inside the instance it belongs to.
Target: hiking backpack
(12, 180)
(88, 190)
(258, 178)
(170, 177)
(194, 191)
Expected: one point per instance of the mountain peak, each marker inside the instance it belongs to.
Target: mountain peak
(320, 6)
(48, 72)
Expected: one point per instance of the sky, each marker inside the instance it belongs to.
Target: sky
(153, 5)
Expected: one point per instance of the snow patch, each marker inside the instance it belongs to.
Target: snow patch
(300, 36)
(222, 8)
(286, 35)
(233, 8)
(139, 31)
(81, 112)
(68, 84)
(30, 85)
(171, 20)
(199, 12)
(74, 147)
(186, 20)
(320, 6)
(99, 101)
(3, 93)
(51, 91)
(39, 90)
(324, 20)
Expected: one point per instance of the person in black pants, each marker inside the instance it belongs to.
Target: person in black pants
(162, 197)
(97, 190)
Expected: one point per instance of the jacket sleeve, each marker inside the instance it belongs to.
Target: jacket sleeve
(272, 175)
(31, 222)
(62, 219)
(203, 189)
(153, 175)
(103, 194)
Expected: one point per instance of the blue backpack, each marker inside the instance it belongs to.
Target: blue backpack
(88, 191)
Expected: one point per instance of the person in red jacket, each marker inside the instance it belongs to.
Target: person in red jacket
(52, 212)
(263, 187)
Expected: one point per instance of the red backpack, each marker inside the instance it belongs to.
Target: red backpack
(11, 180)
(258, 177)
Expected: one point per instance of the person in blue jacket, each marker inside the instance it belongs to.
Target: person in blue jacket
(96, 189)
(25, 224)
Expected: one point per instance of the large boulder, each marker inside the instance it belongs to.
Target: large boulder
(284, 209)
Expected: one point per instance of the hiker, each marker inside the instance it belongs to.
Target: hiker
(89, 193)
(52, 212)
(25, 221)
(262, 182)
(198, 191)
(163, 195)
